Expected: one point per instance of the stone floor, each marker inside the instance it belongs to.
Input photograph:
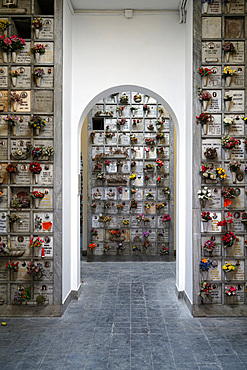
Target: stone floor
(127, 317)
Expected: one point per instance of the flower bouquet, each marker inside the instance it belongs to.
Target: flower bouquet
(13, 267)
(160, 206)
(37, 196)
(204, 73)
(35, 270)
(228, 267)
(36, 123)
(221, 173)
(228, 239)
(116, 235)
(149, 167)
(124, 99)
(140, 217)
(210, 153)
(133, 204)
(227, 74)
(120, 122)
(36, 169)
(229, 143)
(166, 191)
(166, 218)
(227, 99)
(205, 218)
(164, 249)
(120, 111)
(133, 110)
(205, 264)
(4, 24)
(230, 291)
(159, 163)
(36, 244)
(15, 100)
(37, 50)
(37, 25)
(205, 290)
(204, 195)
(38, 74)
(146, 109)
(205, 170)
(204, 119)
(234, 168)
(229, 49)
(209, 246)
(205, 98)
(22, 295)
(227, 124)
(244, 217)
(149, 195)
(12, 122)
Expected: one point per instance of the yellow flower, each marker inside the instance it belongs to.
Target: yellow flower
(224, 267)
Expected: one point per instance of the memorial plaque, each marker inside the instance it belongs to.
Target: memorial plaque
(239, 56)
(215, 295)
(19, 145)
(111, 99)
(47, 78)
(3, 77)
(47, 245)
(24, 225)
(138, 152)
(237, 250)
(211, 52)
(3, 126)
(99, 138)
(238, 202)
(4, 198)
(151, 154)
(4, 149)
(215, 127)
(217, 250)
(237, 79)
(150, 207)
(20, 243)
(25, 106)
(24, 55)
(47, 201)
(111, 122)
(236, 299)
(215, 202)
(3, 271)
(215, 7)
(48, 267)
(135, 222)
(49, 128)
(46, 33)
(134, 100)
(112, 108)
(137, 124)
(47, 57)
(22, 270)
(23, 177)
(234, 28)
(236, 6)
(149, 100)
(125, 166)
(46, 175)
(211, 27)
(3, 293)
(238, 99)
(3, 222)
(3, 173)
(153, 111)
(96, 150)
(3, 101)
(237, 128)
(214, 273)
(43, 101)
(239, 274)
(44, 289)
(139, 180)
(214, 104)
(97, 108)
(113, 207)
(214, 79)
(238, 151)
(43, 221)
(110, 193)
(24, 79)
(211, 143)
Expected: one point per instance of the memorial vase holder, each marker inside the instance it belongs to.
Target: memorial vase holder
(234, 177)
(37, 57)
(133, 113)
(228, 153)
(13, 227)
(36, 251)
(227, 56)
(36, 33)
(205, 129)
(36, 202)
(203, 203)
(36, 178)
(228, 226)
(5, 57)
(204, 8)
(227, 129)
(13, 80)
(228, 105)
(15, 105)
(205, 104)
(13, 178)
(228, 81)
(228, 7)
(13, 275)
(205, 81)
(205, 225)
(13, 130)
(38, 81)
(36, 130)
(204, 275)
(13, 56)
(5, 32)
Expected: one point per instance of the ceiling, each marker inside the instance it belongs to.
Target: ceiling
(125, 4)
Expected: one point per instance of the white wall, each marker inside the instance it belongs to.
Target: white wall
(67, 91)
(146, 51)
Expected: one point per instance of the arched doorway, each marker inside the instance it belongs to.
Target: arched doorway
(117, 144)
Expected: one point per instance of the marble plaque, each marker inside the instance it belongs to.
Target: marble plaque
(239, 274)
(46, 33)
(237, 128)
(24, 225)
(237, 79)
(3, 293)
(236, 6)
(214, 79)
(47, 201)
(96, 150)
(3, 126)
(238, 98)
(216, 250)
(3, 174)
(215, 127)
(237, 250)
(215, 202)
(24, 79)
(19, 144)
(99, 138)
(112, 108)
(97, 108)
(215, 7)
(214, 273)
(110, 99)
(24, 55)
(137, 124)
(151, 209)
(23, 177)
(211, 27)
(43, 101)
(47, 57)
(3, 101)
(238, 151)
(47, 79)
(22, 271)
(3, 271)
(25, 106)
(211, 52)
(3, 222)
(45, 289)
(46, 175)
(215, 295)
(20, 242)
(234, 28)
(43, 221)
(49, 128)
(215, 103)
(4, 198)
(238, 202)
(4, 77)
(48, 266)
(211, 143)
(3, 149)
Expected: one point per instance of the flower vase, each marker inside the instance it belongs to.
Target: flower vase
(205, 81)
(205, 129)
(13, 227)
(13, 130)
(204, 275)
(36, 251)
(37, 57)
(234, 177)
(228, 105)
(147, 154)
(5, 57)
(147, 113)
(13, 178)
(36, 178)
(13, 275)
(228, 7)
(228, 226)
(36, 33)
(204, 8)
(203, 203)
(227, 56)
(205, 104)
(15, 105)
(13, 56)
(228, 153)
(133, 113)
(227, 129)
(5, 32)
(137, 252)
(228, 81)
(205, 226)
(36, 131)
(38, 81)
(13, 80)
(36, 202)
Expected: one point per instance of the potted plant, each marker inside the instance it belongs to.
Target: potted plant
(5, 46)
(35, 270)
(13, 267)
(13, 220)
(14, 75)
(36, 244)
(234, 168)
(12, 122)
(37, 50)
(4, 24)
(204, 119)
(205, 218)
(36, 123)
(37, 25)
(38, 75)
(12, 169)
(204, 73)
(36, 169)
(229, 143)
(227, 100)
(17, 43)
(227, 124)
(229, 49)
(37, 196)
(15, 99)
(204, 195)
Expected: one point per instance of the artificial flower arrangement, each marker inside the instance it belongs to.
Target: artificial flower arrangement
(230, 290)
(97, 194)
(146, 177)
(108, 133)
(35, 167)
(228, 267)
(210, 153)
(137, 238)
(13, 218)
(12, 168)
(164, 249)
(227, 71)
(150, 127)
(203, 72)
(149, 167)
(160, 123)
(137, 98)
(19, 203)
(12, 43)
(37, 194)
(145, 234)
(228, 193)
(107, 163)
(205, 264)
(205, 216)
(35, 242)
(227, 220)
(106, 248)
(124, 99)
(38, 72)
(234, 166)
(206, 96)
(228, 121)
(121, 122)
(209, 245)
(94, 232)
(12, 120)
(159, 179)
(146, 108)
(14, 73)
(133, 164)
(150, 141)
(42, 151)
(38, 49)
(92, 246)
(133, 190)
(204, 118)
(166, 218)
(244, 217)
(133, 204)
(228, 47)
(146, 244)
(146, 219)
(132, 176)
(133, 109)
(160, 150)
(4, 24)
(126, 222)
(228, 239)
(205, 170)
(104, 113)
(120, 206)
(135, 248)
(15, 98)
(133, 138)
(106, 205)
(160, 136)
(160, 206)
(120, 110)
(37, 122)
(140, 217)
(3, 249)
(104, 219)
(111, 194)
(204, 194)
(115, 233)
(244, 119)
(35, 270)
(37, 23)
(5, 44)
(221, 173)
(12, 266)
(149, 195)
(22, 295)
(133, 150)
(227, 97)
(205, 289)
(159, 163)
(1, 195)
(166, 191)
(94, 205)
(98, 167)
